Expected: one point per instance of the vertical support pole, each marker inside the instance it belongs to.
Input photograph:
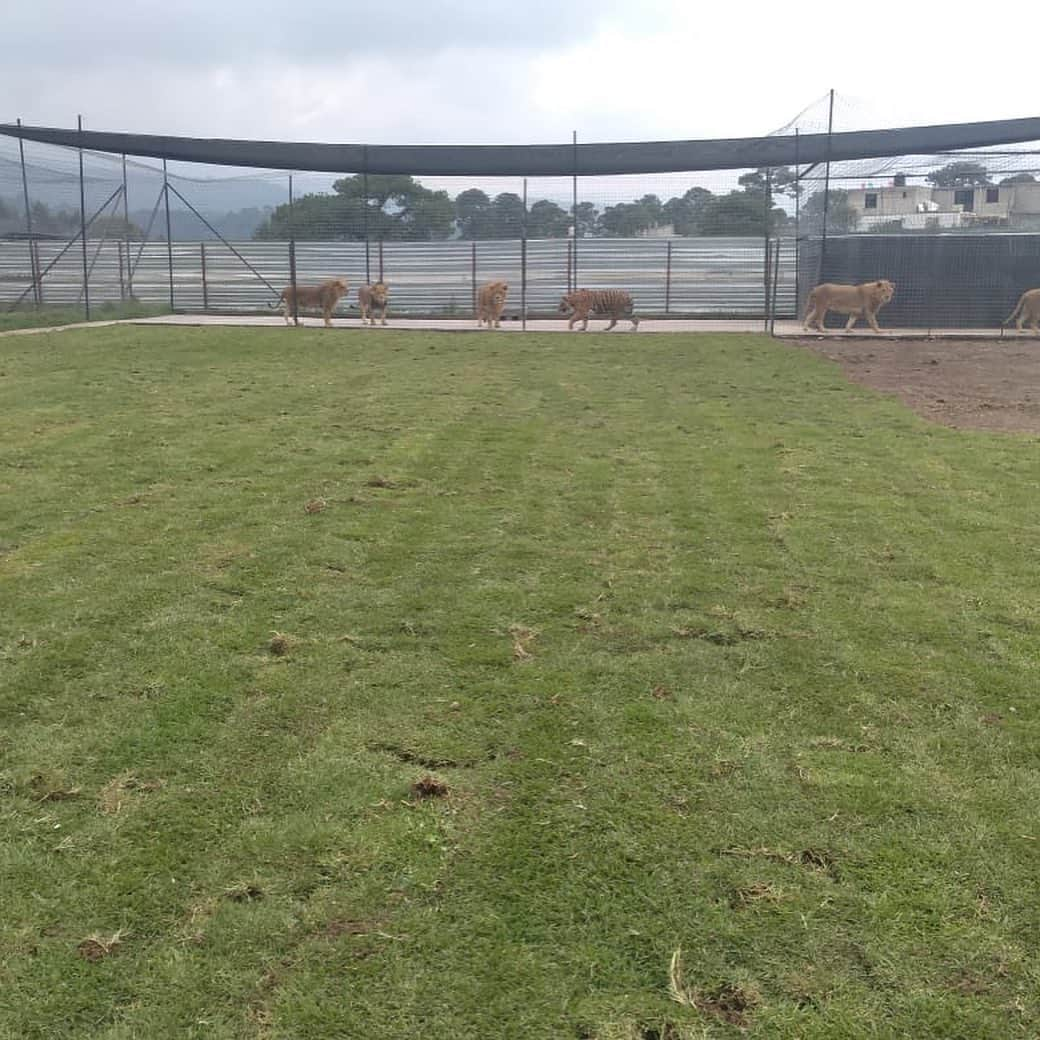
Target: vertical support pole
(766, 251)
(33, 265)
(574, 210)
(35, 246)
(523, 266)
(126, 234)
(473, 274)
(169, 237)
(122, 282)
(826, 190)
(797, 226)
(776, 271)
(364, 183)
(205, 285)
(380, 259)
(292, 258)
(570, 249)
(83, 223)
(668, 280)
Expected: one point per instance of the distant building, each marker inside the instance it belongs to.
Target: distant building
(921, 206)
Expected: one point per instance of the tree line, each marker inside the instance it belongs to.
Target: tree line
(399, 208)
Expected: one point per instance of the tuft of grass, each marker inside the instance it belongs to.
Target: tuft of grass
(710, 649)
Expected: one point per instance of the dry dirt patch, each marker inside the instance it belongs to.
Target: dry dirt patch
(989, 384)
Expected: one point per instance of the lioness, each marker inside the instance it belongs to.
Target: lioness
(371, 298)
(1027, 311)
(491, 301)
(324, 296)
(854, 300)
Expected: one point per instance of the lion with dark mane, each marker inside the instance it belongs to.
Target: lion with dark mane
(856, 301)
(322, 297)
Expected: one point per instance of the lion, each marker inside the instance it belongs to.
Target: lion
(491, 301)
(856, 301)
(323, 297)
(1027, 312)
(372, 298)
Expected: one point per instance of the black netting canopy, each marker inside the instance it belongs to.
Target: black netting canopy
(549, 159)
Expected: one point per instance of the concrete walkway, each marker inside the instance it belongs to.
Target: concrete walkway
(785, 329)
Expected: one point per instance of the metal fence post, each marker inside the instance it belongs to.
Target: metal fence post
(668, 280)
(33, 266)
(523, 266)
(380, 259)
(292, 258)
(169, 237)
(35, 248)
(776, 272)
(766, 253)
(205, 288)
(826, 189)
(570, 248)
(473, 275)
(574, 190)
(126, 233)
(119, 255)
(83, 223)
(364, 182)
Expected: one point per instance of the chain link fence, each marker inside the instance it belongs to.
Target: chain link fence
(957, 231)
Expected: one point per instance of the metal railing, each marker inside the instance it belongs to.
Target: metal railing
(676, 277)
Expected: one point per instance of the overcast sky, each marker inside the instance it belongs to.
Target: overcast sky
(504, 71)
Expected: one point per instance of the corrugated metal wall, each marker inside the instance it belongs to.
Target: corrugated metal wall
(704, 276)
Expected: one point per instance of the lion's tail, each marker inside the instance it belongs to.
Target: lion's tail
(281, 300)
(1014, 314)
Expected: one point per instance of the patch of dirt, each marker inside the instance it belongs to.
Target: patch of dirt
(730, 1003)
(965, 384)
(430, 787)
(244, 893)
(316, 505)
(280, 644)
(96, 947)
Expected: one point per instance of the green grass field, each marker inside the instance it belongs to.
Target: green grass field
(29, 317)
(723, 673)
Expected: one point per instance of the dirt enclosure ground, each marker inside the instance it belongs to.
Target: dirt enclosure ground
(967, 384)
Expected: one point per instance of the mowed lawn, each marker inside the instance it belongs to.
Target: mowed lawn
(717, 676)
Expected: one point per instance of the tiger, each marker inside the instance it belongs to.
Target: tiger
(1027, 311)
(372, 298)
(612, 303)
(491, 301)
(856, 301)
(324, 296)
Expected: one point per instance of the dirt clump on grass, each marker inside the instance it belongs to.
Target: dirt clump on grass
(280, 644)
(246, 892)
(429, 787)
(97, 947)
(977, 384)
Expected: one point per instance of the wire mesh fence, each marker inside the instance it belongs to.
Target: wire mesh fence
(958, 232)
